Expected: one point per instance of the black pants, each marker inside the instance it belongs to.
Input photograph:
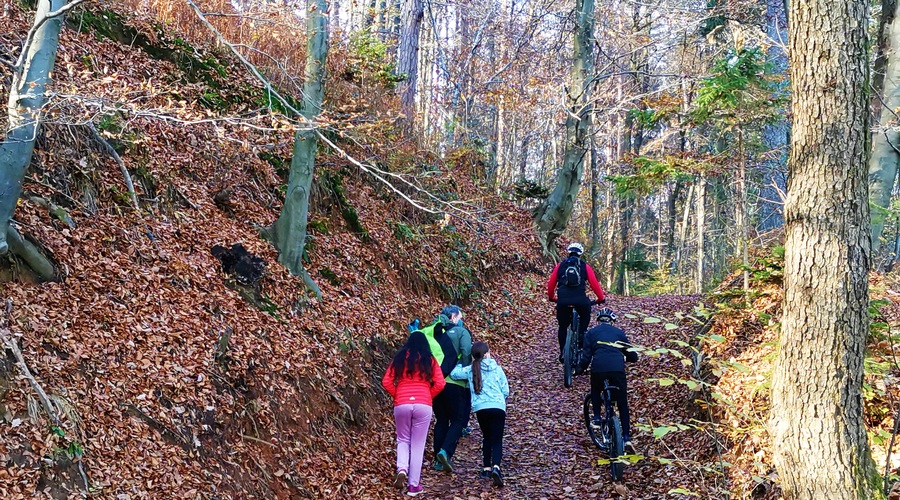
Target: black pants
(468, 408)
(492, 421)
(451, 412)
(564, 318)
(621, 396)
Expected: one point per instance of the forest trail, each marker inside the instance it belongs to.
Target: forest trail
(547, 453)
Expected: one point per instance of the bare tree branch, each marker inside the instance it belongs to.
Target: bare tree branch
(111, 151)
(247, 64)
(31, 33)
(7, 339)
(378, 174)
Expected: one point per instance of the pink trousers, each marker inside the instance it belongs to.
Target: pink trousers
(412, 421)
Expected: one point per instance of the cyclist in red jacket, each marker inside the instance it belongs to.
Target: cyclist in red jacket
(567, 287)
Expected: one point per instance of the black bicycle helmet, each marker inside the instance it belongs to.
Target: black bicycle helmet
(606, 315)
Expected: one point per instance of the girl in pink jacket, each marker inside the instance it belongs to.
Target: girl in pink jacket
(413, 379)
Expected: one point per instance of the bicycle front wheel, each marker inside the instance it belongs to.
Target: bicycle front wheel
(594, 432)
(616, 448)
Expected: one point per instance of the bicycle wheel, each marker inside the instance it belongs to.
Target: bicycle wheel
(596, 433)
(570, 351)
(568, 359)
(616, 448)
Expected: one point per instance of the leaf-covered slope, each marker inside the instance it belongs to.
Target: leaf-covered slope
(127, 342)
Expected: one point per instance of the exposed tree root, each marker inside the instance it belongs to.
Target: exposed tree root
(32, 256)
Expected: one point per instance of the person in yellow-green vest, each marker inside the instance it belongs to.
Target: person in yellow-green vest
(453, 405)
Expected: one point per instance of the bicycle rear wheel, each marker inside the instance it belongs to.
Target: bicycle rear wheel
(570, 351)
(616, 448)
(596, 433)
(568, 361)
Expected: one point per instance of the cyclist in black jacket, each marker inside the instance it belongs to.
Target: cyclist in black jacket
(606, 350)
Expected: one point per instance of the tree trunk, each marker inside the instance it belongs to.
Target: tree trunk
(369, 17)
(896, 251)
(682, 234)
(819, 435)
(288, 234)
(523, 159)
(336, 15)
(426, 65)
(625, 140)
(611, 245)
(553, 215)
(626, 205)
(382, 21)
(499, 161)
(595, 201)
(745, 215)
(883, 50)
(886, 140)
(408, 56)
(672, 214)
(24, 112)
(701, 230)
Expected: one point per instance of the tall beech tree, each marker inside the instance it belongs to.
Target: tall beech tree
(553, 215)
(31, 74)
(819, 435)
(288, 233)
(411, 16)
(885, 139)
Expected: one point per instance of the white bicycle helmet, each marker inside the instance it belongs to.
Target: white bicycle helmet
(606, 315)
(575, 248)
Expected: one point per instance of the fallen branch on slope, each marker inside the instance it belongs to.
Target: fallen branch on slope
(111, 151)
(9, 342)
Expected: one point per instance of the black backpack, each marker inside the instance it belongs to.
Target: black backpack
(449, 356)
(571, 272)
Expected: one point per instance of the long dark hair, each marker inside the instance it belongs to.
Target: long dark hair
(413, 358)
(479, 349)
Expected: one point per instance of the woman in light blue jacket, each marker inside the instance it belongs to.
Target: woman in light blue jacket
(489, 389)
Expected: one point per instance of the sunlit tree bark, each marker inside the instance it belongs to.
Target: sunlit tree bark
(819, 436)
(886, 139)
(288, 233)
(411, 15)
(553, 215)
(24, 110)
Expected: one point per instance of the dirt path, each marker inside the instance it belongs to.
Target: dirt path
(546, 451)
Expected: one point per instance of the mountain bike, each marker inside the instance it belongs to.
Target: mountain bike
(606, 434)
(570, 351)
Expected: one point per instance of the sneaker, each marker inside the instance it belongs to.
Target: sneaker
(629, 448)
(447, 465)
(497, 476)
(400, 481)
(466, 431)
(485, 473)
(414, 490)
(437, 465)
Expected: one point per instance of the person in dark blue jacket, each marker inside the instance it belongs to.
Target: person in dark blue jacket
(606, 350)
